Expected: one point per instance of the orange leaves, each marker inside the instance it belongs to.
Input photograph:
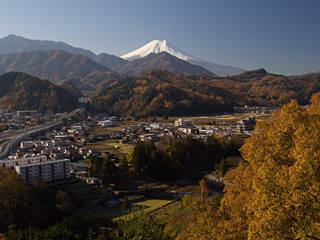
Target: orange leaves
(163, 86)
(140, 89)
(186, 102)
(276, 195)
(167, 104)
(142, 82)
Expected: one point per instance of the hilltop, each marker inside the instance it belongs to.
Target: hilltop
(20, 91)
(160, 93)
(161, 61)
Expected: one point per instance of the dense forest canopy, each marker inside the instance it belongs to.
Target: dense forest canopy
(20, 91)
(160, 93)
(274, 193)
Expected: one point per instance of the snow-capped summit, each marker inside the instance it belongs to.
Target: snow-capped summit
(157, 46)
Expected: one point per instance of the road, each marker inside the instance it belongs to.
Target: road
(13, 139)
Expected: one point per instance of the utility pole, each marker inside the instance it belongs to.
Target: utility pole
(132, 131)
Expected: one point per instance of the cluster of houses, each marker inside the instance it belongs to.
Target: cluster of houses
(53, 156)
(186, 127)
(46, 160)
(248, 109)
(22, 119)
(60, 149)
(50, 157)
(54, 149)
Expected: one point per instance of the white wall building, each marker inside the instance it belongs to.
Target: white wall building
(27, 144)
(155, 125)
(22, 161)
(46, 171)
(35, 169)
(106, 123)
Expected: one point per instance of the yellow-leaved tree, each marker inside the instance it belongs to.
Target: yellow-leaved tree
(284, 154)
(275, 192)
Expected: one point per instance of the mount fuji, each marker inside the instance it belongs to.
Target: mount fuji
(157, 46)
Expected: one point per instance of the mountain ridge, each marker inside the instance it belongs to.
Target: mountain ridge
(157, 46)
(21, 91)
(162, 61)
(160, 93)
(57, 66)
(54, 65)
(17, 44)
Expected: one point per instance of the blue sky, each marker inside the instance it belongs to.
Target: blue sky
(282, 36)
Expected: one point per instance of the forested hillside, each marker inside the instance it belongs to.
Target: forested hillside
(20, 91)
(265, 89)
(161, 93)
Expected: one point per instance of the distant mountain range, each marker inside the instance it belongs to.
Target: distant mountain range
(160, 80)
(17, 44)
(57, 66)
(158, 46)
(161, 61)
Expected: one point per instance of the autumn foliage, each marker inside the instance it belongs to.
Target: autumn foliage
(20, 91)
(274, 194)
(160, 93)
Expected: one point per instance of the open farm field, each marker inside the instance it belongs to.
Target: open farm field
(115, 213)
(116, 128)
(226, 119)
(100, 129)
(112, 146)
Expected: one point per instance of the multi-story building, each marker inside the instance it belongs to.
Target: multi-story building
(180, 122)
(35, 169)
(246, 125)
(46, 171)
(27, 113)
(10, 163)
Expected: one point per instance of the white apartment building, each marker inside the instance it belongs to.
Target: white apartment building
(106, 123)
(10, 163)
(46, 171)
(35, 169)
